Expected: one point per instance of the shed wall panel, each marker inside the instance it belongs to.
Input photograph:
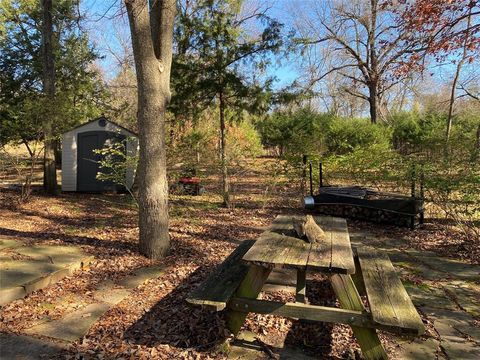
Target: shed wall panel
(69, 152)
(69, 162)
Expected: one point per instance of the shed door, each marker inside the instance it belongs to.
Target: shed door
(87, 160)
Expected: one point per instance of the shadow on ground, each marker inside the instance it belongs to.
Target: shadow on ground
(173, 321)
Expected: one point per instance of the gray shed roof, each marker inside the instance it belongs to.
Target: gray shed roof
(108, 120)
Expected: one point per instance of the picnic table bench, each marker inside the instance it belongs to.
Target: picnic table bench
(237, 282)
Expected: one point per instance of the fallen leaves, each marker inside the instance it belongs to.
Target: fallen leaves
(154, 321)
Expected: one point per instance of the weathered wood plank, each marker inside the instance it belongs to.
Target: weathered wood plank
(222, 283)
(349, 299)
(303, 311)
(342, 254)
(250, 287)
(277, 248)
(297, 255)
(264, 249)
(357, 277)
(389, 301)
(301, 288)
(336, 254)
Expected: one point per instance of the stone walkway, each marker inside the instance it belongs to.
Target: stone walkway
(28, 268)
(76, 323)
(24, 269)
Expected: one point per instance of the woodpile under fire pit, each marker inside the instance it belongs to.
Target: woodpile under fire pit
(365, 204)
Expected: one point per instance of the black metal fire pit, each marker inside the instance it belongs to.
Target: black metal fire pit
(366, 204)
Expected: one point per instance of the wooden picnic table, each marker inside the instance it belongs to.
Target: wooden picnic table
(352, 272)
(279, 247)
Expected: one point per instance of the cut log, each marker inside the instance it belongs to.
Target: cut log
(308, 229)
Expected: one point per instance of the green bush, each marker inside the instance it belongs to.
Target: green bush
(413, 131)
(243, 141)
(295, 133)
(345, 135)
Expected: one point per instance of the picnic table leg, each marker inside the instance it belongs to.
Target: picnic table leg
(249, 288)
(358, 277)
(301, 286)
(349, 298)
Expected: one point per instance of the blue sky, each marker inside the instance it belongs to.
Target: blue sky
(107, 26)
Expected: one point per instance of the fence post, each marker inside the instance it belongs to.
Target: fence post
(320, 175)
(422, 194)
(304, 175)
(413, 181)
(412, 218)
(311, 178)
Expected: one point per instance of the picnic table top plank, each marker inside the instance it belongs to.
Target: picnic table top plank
(273, 249)
(342, 254)
(277, 247)
(321, 253)
(389, 302)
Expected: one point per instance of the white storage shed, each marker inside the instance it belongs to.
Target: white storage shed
(80, 162)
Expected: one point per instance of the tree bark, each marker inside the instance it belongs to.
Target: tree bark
(223, 154)
(455, 79)
(477, 143)
(49, 168)
(152, 34)
(372, 100)
(373, 71)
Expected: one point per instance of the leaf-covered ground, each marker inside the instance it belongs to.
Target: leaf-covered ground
(155, 321)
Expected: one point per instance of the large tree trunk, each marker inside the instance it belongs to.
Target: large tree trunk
(373, 102)
(152, 49)
(49, 169)
(223, 154)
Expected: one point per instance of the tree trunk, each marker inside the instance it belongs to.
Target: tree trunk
(152, 49)
(49, 169)
(455, 79)
(373, 102)
(477, 143)
(373, 72)
(223, 154)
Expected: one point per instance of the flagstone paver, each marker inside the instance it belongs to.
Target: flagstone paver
(9, 244)
(56, 254)
(26, 348)
(423, 295)
(466, 296)
(111, 296)
(419, 349)
(37, 267)
(246, 347)
(73, 326)
(140, 276)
